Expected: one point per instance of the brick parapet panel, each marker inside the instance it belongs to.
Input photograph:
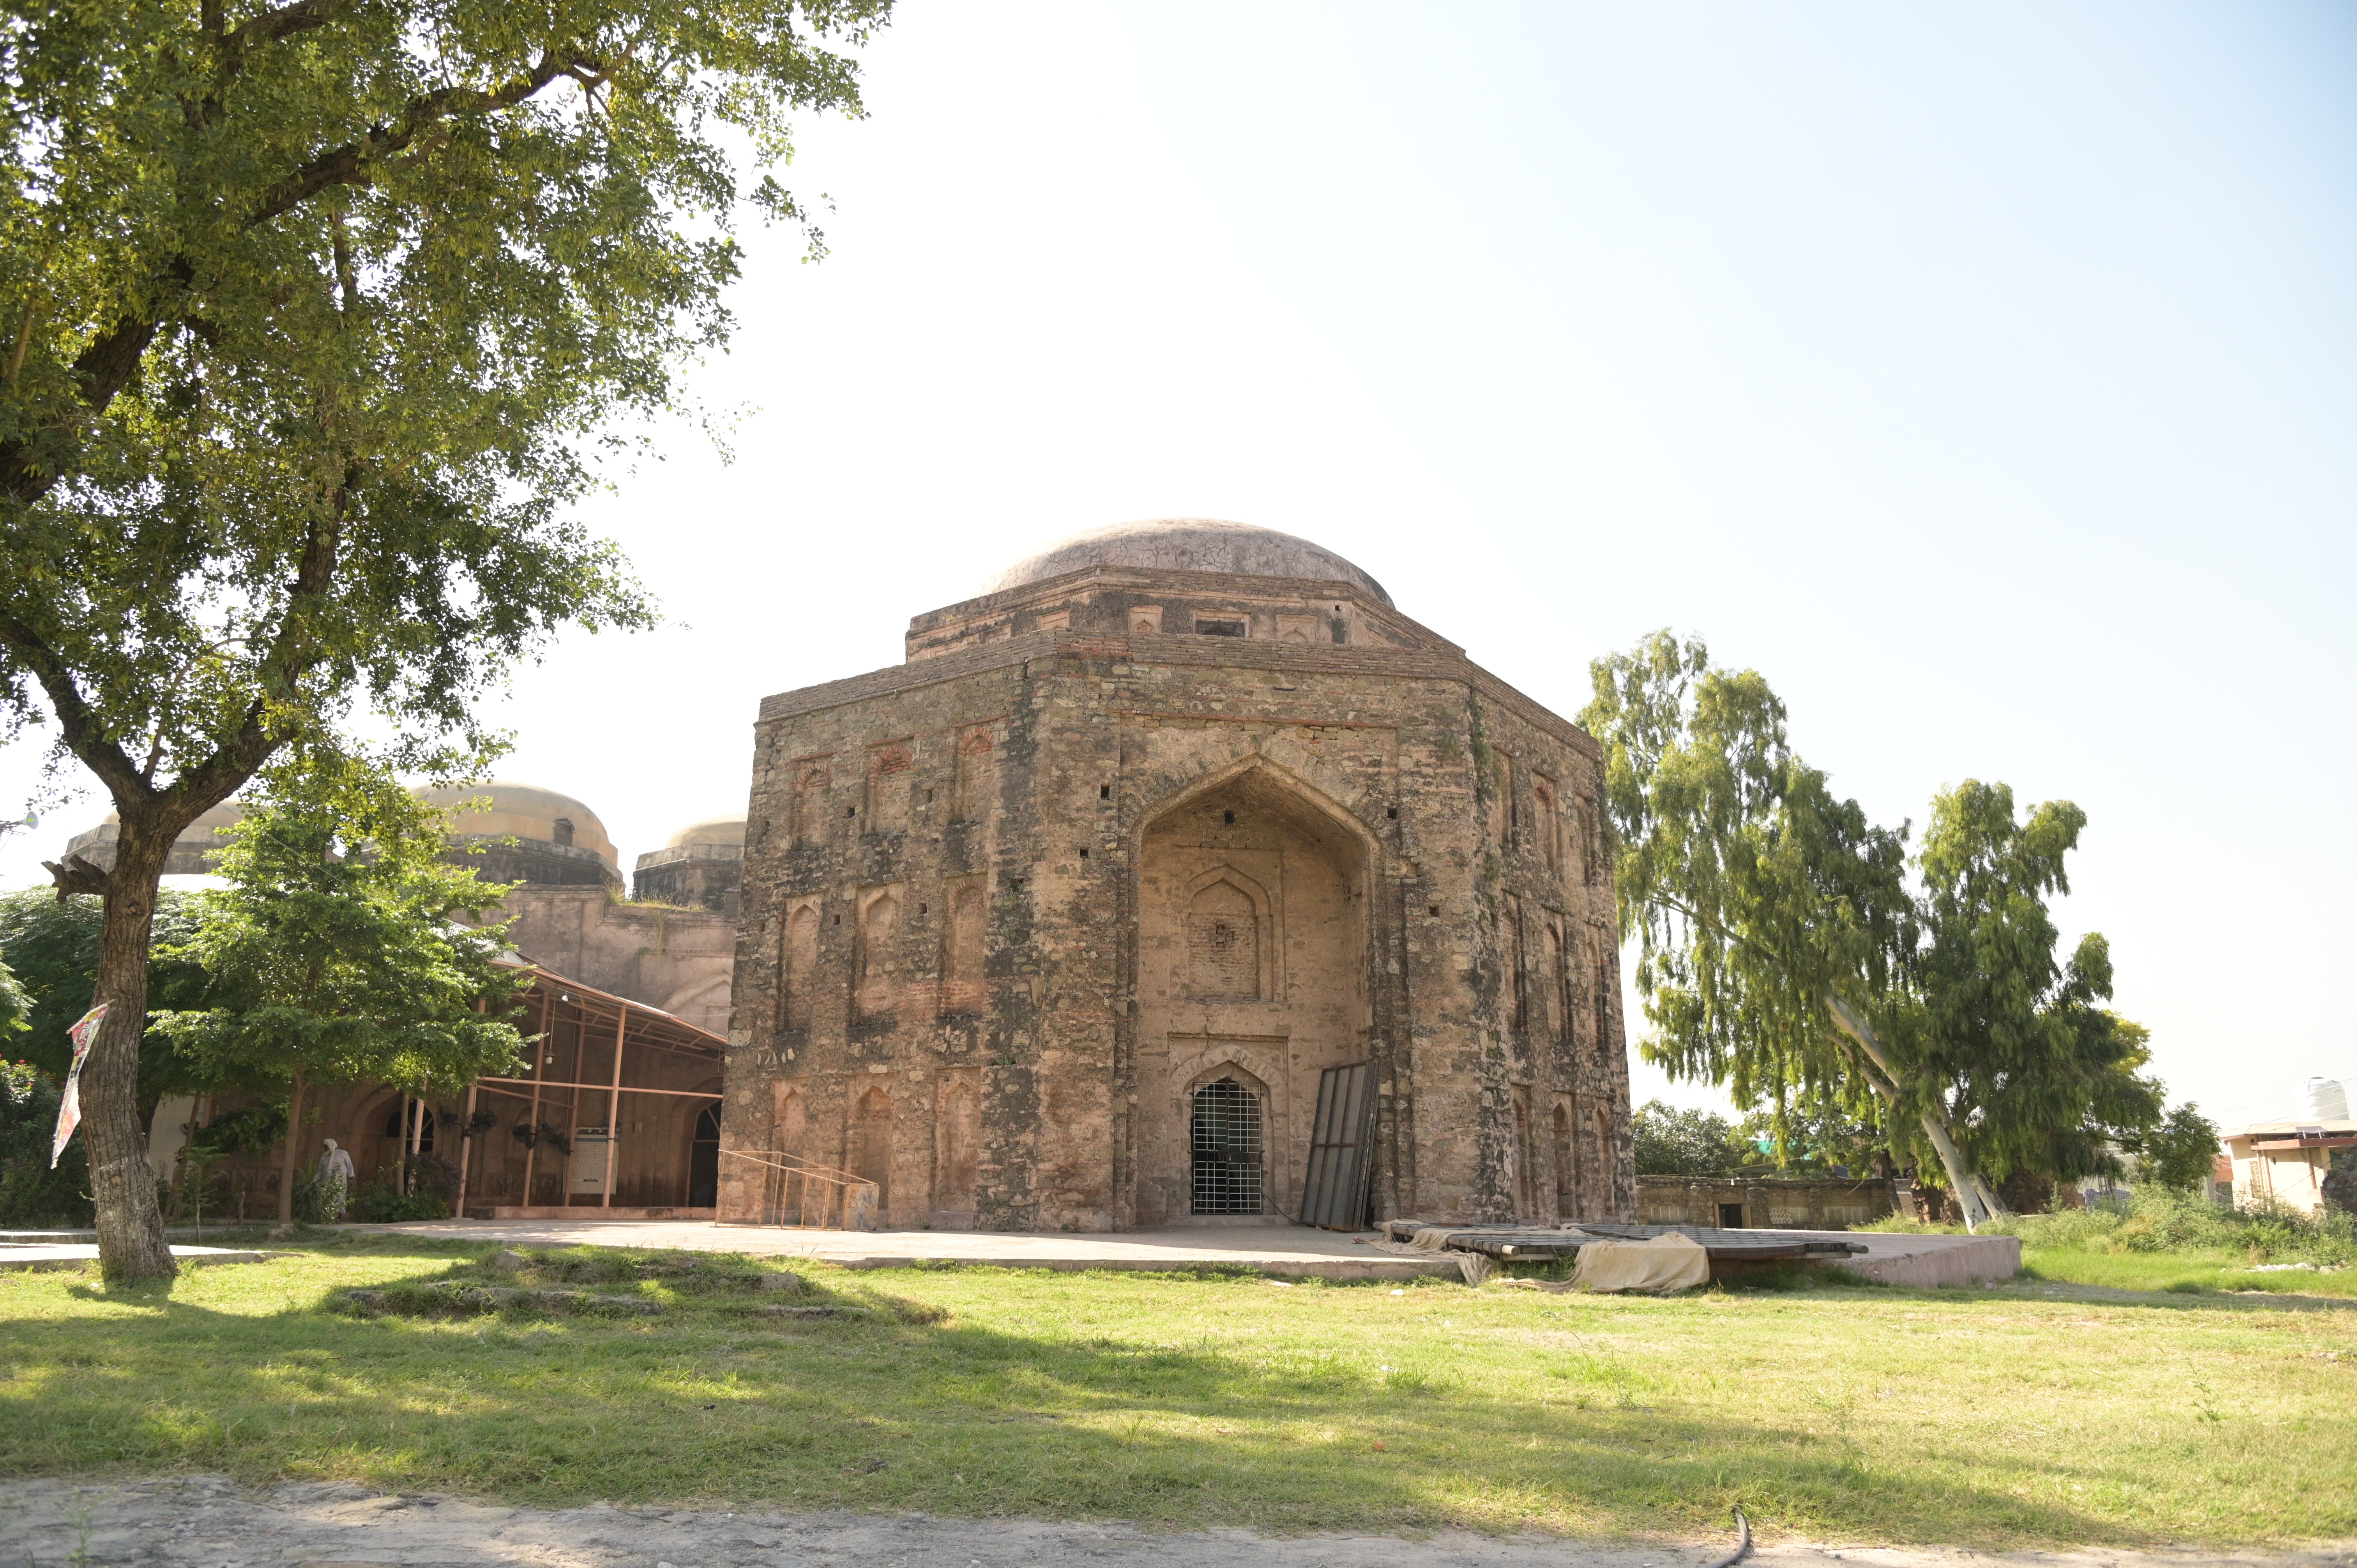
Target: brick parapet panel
(1178, 649)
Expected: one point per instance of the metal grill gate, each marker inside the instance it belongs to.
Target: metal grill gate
(1226, 1139)
(1342, 1149)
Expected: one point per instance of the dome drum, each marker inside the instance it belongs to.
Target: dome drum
(701, 867)
(1181, 577)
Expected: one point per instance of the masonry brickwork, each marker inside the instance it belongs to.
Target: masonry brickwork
(1057, 925)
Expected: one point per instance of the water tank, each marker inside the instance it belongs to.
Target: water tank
(2321, 1099)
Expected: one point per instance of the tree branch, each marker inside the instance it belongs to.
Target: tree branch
(77, 875)
(352, 162)
(76, 725)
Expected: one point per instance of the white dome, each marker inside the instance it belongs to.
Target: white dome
(1188, 545)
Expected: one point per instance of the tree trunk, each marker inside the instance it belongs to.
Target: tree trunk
(1965, 1182)
(131, 1245)
(291, 1162)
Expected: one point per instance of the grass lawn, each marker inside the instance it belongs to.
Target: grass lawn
(2005, 1417)
(2184, 1270)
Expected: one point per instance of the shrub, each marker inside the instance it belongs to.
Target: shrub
(2158, 1220)
(380, 1204)
(31, 1194)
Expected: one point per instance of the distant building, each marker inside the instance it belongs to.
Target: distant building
(702, 867)
(665, 966)
(193, 851)
(568, 910)
(2287, 1163)
(522, 832)
(1178, 839)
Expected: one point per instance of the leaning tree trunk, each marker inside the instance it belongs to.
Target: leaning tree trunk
(1962, 1179)
(131, 1245)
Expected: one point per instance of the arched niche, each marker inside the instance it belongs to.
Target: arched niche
(1233, 947)
(1254, 942)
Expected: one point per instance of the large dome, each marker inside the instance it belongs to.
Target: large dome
(1188, 544)
(525, 811)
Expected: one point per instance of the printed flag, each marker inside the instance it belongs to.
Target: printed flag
(70, 1107)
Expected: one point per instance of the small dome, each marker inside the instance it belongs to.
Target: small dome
(525, 811)
(718, 832)
(1188, 544)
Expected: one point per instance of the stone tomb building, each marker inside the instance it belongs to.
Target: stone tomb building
(1056, 925)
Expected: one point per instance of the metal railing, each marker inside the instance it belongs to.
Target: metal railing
(852, 1200)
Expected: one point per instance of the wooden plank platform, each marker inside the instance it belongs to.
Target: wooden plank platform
(1541, 1243)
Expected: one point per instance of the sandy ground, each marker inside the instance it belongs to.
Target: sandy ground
(208, 1520)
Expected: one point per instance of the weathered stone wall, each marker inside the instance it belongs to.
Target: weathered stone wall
(689, 881)
(1007, 908)
(1782, 1202)
(678, 959)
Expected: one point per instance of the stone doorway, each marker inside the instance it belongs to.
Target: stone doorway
(1253, 943)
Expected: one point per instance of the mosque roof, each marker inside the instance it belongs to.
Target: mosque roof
(1188, 545)
(523, 812)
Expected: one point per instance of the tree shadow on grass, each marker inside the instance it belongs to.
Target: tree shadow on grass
(888, 1406)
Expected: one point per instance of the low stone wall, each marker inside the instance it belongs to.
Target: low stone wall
(1762, 1203)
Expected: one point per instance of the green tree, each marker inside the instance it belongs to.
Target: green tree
(1671, 1142)
(312, 315)
(334, 955)
(2037, 1076)
(1785, 953)
(51, 944)
(1815, 1143)
(2180, 1152)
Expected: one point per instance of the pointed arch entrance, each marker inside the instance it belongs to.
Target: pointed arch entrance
(1254, 975)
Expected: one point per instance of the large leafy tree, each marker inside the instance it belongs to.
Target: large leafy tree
(334, 955)
(310, 315)
(1789, 953)
(52, 943)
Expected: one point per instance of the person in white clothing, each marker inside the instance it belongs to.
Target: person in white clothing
(336, 1176)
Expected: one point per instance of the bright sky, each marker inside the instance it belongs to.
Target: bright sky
(1984, 374)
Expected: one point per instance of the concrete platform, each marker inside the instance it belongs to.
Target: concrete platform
(69, 1255)
(1928, 1262)
(1280, 1250)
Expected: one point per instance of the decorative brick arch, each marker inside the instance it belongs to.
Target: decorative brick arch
(1251, 859)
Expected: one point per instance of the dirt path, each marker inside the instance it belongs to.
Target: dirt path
(208, 1520)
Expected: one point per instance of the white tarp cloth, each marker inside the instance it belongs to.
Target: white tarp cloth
(1667, 1262)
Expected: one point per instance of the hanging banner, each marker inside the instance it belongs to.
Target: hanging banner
(70, 1107)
